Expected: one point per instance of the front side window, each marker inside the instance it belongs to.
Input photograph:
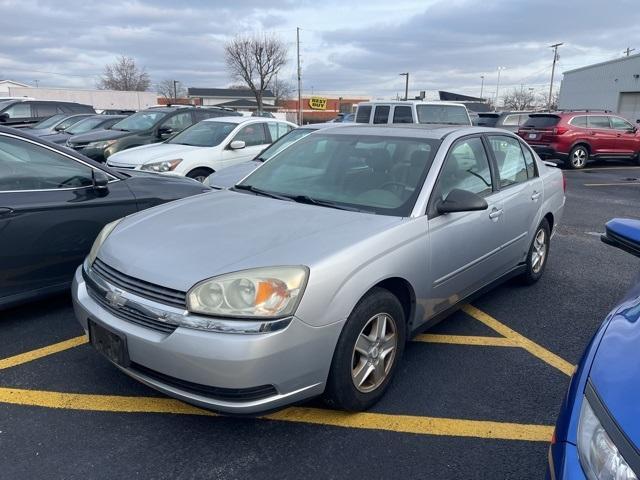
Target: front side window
(512, 167)
(351, 171)
(363, 114)
(466, 168)
(85, 125)
(598, 121)
(402, 114)
(284, 141)
(49, 122)
(68, 122)
(178, 122)
(204, 134)
(381, 114)
(252, 135)
(19, 110)
(442, 114)
(140, 121)
(25, 166)
(618, 123)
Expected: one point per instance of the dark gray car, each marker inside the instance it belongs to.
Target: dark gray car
(55, 124)
(90, 124)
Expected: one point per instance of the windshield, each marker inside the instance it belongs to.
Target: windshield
(442, 114)
(375, 174)
(204, 134)
(50, 122)
(284, 142)
(85, 125)
(139, 121)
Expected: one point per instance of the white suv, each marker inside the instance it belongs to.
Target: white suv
(206, 147)
(412, 111)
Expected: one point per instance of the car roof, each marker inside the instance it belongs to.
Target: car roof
(412, 102)
(239, 120)
(436, 132)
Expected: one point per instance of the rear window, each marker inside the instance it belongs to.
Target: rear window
(487, 120)
(363, 114)
(542, 121)
(442, 114)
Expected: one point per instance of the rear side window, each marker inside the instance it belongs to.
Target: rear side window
(598, 121)
(580, 121)
(364, 112)
(512, 168)
(442, 114)
(381, 114)
(542, 121)
(402, 114)
(529, 160)
(46, 110)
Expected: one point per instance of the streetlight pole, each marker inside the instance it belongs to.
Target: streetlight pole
(175, 90)
(495, 105)
(406, 85)
(481, 85)
(299, 77)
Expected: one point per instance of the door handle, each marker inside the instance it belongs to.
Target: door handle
(535, 195)
(495, 213)
(592, 132)
(5, 211)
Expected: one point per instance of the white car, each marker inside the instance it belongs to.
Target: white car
(412, 111)
(206, 147)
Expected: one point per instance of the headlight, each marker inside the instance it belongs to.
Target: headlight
(599, 456)
(101, 145)
(164, 166)
(270, 292)
(102, 236)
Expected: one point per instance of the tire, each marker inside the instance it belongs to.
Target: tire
(199, 174)
(578, 157)
(373, 370)
(537, 254)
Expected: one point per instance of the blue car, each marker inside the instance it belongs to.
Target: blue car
(597, 436)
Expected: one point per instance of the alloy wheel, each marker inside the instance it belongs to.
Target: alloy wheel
(374, 352)
(579, 158)
(539, 252)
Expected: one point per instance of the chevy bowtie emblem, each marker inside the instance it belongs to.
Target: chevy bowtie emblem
(115, 299)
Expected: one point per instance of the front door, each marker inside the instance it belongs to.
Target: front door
(602, 137)
(464, 247)
(50, 214)
(255, 138)
(627, 137)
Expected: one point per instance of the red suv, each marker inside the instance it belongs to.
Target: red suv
(577, 137)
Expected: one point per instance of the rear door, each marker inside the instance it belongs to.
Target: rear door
(601, 135)
(465, 251)
(521, 193)
(50, 213)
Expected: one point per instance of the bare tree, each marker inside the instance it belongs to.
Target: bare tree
(282, 90)
(167, 89)
(519, 99)
(124, 74)
(255, 60)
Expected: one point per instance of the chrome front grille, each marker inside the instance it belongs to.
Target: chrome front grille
(144, 289)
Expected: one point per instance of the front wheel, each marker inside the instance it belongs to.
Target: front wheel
(578, 157)
(199, 174)
(367, 353)
(538, 254)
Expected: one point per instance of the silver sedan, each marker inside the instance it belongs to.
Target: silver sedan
(309, 276)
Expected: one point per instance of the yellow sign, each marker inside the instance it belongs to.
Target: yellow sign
(318, 103)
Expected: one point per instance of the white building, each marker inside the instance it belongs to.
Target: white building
(5, 85)
(237, 98)
(612, 85)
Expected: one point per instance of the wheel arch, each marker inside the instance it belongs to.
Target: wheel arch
(581, 142)
(403, 291)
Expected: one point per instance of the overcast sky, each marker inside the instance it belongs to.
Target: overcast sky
(346, 46)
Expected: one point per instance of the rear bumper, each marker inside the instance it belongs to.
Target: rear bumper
(548, 151)
(192, 365)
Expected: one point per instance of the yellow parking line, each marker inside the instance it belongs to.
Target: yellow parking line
(42, 352)
(520, 340)
(365, 420)
(466, 340)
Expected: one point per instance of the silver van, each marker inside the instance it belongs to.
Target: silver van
(412, 111)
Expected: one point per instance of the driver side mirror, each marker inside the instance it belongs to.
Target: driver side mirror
(237, 145)
(100, 180)
(165, 132)
(462, 201)
(4, 117)
(60, 128)
(622, 233)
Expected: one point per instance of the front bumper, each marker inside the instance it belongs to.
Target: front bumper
(564, 463)
(294, 360)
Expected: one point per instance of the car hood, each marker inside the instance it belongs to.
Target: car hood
(615, 372)
(39, 132)
(99, 136)
(228, 177)
(146, 153)
(56, 137)
(181, 243)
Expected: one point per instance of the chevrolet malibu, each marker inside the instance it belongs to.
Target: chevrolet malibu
(309, 276)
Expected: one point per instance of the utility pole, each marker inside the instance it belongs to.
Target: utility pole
(553, 71)
(481, 85)
(36, 83)
(175, 90)
(299, 77)
(495, 104)
(629, 50)
(406, 85)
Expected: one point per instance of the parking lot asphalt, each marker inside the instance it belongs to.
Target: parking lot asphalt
(475, 397)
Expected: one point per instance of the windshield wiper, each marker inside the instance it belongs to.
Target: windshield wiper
(120, 129)
(260, 159)
(323, 203)
(264, 193)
